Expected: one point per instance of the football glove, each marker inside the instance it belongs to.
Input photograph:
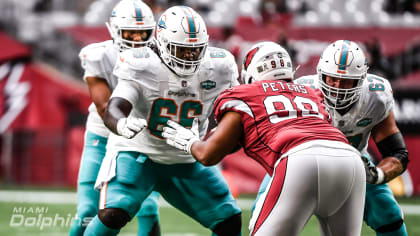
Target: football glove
(374, 175)
(130, 126)
(180, 137)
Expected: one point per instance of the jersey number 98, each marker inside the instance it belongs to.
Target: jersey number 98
(288, 108)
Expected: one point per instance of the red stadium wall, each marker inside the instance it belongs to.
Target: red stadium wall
(37, 108)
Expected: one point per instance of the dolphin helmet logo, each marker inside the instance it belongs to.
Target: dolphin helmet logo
(162, 24)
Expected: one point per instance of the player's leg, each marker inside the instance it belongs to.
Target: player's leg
(87, 197)
(203, 194)
(289, 200)
(382, 212)
(122, 196)
(148, 216)
(341, 193)
(262, 188)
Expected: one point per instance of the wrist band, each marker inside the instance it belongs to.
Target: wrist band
(381, 176)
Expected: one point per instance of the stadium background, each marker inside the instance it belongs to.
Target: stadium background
(43, 101)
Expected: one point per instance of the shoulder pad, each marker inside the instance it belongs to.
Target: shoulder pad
(220, 59)
(380, 90)
(308, 80)
(95, 51)
(139, 59)
(219, 54)
(134, 61)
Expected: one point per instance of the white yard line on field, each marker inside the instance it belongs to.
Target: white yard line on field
(71, 198)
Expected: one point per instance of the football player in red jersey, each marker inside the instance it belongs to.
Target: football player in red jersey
(286, 128)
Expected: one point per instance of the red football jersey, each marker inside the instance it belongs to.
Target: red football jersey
(277, 116)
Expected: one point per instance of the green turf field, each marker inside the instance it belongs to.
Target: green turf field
(28, 218)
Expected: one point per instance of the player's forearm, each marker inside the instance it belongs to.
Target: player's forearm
(221, 142)
(206, 153)
(99, 92)
(391, 167)
(117, 108)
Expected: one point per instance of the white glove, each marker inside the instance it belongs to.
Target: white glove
(180, 137)
(130, 126)
(374, 175)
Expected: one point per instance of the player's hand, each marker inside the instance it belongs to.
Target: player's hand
(130, 126)
(181, 137)
(374, 175)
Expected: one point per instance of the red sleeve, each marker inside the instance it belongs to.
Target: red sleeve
(219, 110)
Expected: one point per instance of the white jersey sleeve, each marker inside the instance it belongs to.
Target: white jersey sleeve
(224, 60)
(98, 60)
(381, 94)
(127, 89)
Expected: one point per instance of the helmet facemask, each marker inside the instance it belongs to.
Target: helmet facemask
(128, 43)
(340, 98)
(185, 59)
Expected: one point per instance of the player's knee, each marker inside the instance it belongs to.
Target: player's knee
(230, 226)
(86, 210)
(149, 209)
(390, 227)
(114, 218)
(85, 214)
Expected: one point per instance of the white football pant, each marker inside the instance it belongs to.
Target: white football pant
(323, 181)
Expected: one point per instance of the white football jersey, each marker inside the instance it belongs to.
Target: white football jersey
(157, 95)
(98, 60)
(373, 106)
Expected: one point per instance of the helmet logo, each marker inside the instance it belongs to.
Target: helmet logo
(249, 56)
(161, 24)
(344, 58)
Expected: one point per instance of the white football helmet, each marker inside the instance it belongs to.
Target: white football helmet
(266, 61)
(342, 59)
(131, 15)
(181, 38)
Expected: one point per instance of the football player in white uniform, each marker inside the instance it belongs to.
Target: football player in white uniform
(131, 25)
(179, 81)
(361, 105)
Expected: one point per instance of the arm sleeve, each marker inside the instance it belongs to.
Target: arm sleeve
(127, 89)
